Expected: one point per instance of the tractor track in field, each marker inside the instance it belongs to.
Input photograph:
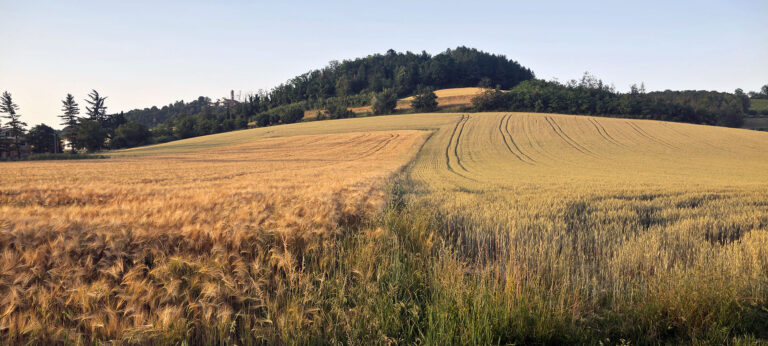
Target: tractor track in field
(457, 130)
(458, 139)
(376, 148)
(567, 139)
(504, 123)
(604, 133)
(535, 143)
(650, 137)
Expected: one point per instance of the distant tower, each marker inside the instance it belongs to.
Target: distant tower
(232, 95)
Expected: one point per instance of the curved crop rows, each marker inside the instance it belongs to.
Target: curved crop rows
(600, 216)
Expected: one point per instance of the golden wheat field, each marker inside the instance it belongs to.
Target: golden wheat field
(577, 214)
(452, 98)
(502, 228)
(130, 248)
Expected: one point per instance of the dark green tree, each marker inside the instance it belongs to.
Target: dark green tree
(384, 102)
(130, 134)
(70, 116)
(291, 114)
(336, 110)
(70, 111)
(112, 122)
(184, 127)
(14, 124)
(90, 135)
(342, 86)
(489, 100)
(44, 139)
(425, 101)
(97, 110)
(405, 80)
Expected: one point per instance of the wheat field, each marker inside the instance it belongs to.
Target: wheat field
(172, 246)
(663, 226)
(487, 228)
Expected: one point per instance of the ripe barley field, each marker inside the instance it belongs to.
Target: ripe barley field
(484, 228)
(185, 246)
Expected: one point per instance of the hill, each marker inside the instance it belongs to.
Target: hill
(353, 82)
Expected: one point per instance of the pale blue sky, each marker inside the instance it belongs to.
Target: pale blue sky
(144, 53)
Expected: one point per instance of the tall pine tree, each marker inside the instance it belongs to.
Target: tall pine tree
(15, 125)
(70, 110)
(97, 110)
(97, 113)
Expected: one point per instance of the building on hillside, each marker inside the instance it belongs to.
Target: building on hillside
(7, 145)
(225, 101)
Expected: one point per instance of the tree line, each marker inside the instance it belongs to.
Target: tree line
(377, 80)
(96, 131)
(404, 73)
(590, 96)
(762, 94)
(354, 83)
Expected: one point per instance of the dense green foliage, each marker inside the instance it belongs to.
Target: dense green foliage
(10, 109)
(89, 135)
(152, 117)
(130, 134)
(43, 139)
(758, 106)
(335, 110)
(425, 101)
(592, 97)
(384, 102)
(69, 111)
(349, 83)
(403, 72)
(761, 95)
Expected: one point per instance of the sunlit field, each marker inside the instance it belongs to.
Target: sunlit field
(447, 99)
(195, 246)
(488, 228)
(560, 228)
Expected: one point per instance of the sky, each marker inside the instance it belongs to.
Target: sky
(146, 53)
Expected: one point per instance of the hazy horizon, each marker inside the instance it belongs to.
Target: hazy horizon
(144, 54)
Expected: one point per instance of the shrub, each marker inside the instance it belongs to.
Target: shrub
(425, 101)
(337, 110)
(384, 102)
(489, 100)
(291, 114)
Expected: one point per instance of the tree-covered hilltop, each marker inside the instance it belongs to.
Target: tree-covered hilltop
(354, 83)
(403, 72)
